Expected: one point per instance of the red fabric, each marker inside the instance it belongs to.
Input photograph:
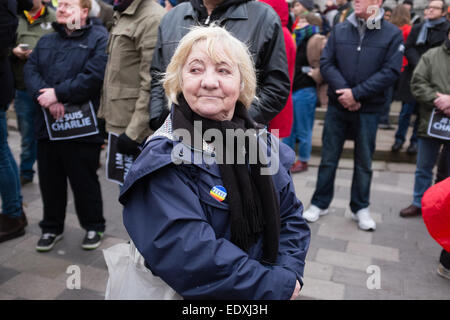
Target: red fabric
(436, 212)
(283, 121)
(406, 29)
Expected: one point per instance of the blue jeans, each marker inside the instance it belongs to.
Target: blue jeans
(26, 110)
(427, 154)
(9, 174)
(304, 109)
(337, 124)
(408, 109)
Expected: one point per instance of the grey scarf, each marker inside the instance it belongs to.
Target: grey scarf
(423, 34)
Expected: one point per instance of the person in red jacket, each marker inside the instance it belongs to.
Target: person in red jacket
(283, 121)
(436, 215)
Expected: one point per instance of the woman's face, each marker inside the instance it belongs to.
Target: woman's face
(211, 89)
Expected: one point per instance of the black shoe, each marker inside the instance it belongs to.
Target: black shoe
(47, 242)
(397, 146)
(92, 240)
(24, 180)
(11, 228)
(412, 149)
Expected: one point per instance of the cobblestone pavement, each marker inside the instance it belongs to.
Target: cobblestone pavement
(342, 263)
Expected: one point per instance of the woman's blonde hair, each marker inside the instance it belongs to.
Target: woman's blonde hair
(217, 39)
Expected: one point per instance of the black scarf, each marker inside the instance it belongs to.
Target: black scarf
(252, 198)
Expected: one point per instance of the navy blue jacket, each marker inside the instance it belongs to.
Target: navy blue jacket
(368, 66)
(72, 64)
(184, 233)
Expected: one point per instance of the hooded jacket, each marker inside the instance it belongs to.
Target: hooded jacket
(184, 234)
(283, 121)
(74, 65)
(252, 22)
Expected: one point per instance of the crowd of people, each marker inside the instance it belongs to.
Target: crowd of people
(77, 70)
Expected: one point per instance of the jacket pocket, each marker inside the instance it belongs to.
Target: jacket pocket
(120, 105)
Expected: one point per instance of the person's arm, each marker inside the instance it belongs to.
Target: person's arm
(145, 45)
(294, 233)
(328, 65)
(421, 87)
(170, 229)
(157, 103)
(88, 82)
(273, 77)
(32, 77)
(388, 73)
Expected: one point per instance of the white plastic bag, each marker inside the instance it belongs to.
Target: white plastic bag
(129, 279)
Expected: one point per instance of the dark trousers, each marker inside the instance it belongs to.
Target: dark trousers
(335, 131)
(78, 162)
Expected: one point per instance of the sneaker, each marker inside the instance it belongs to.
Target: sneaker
(299, 166)
(92, 240)
(47, 242)
(443, 271)
(365, 221)
(313, 213)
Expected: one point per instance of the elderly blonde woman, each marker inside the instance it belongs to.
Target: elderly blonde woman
(215, 229)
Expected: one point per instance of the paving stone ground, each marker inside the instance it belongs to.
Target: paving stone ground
(342, 262)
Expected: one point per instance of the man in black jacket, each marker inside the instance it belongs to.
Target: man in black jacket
(67, 67)
(362, 58)
(252, 22)
(12, 217)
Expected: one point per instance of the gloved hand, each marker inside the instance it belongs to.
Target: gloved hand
(127, 146)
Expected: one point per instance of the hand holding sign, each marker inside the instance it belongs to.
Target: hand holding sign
(57, 110)
(442, 102)
(47, 97)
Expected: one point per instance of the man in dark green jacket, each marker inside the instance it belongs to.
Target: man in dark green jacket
(33, 25)
(430, 85)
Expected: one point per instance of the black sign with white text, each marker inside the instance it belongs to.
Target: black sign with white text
(78, 121)
(117, 164)
(439, 125)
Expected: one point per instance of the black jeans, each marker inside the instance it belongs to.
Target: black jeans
(78, 162)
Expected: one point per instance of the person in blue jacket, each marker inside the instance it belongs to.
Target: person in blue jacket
(68, 66)
(210, 219)
(361, 60)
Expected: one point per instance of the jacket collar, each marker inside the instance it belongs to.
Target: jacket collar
(235, 12)
(354, 20)
(131, 10)
(59, 28)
